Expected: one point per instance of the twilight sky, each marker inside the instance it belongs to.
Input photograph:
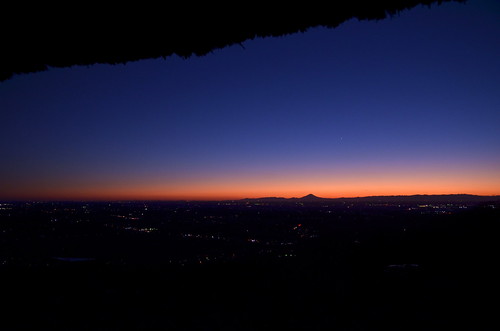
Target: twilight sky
(407, 105)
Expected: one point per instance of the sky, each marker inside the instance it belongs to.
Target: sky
(406, 105)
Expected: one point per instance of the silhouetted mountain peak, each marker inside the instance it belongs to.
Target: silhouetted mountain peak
(310, 197)
(450, 198)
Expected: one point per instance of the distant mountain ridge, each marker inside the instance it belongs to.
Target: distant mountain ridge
(424, 198)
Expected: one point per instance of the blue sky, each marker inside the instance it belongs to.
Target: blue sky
(414, 95)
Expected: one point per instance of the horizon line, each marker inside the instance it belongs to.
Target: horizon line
(238, 199)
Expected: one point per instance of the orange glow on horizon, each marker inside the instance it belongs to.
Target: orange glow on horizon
(327, 185)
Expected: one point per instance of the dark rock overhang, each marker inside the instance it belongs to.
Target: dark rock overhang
(34, 39)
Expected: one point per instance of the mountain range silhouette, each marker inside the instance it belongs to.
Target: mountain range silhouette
(417, 198)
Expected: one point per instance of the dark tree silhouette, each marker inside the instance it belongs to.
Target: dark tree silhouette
(36, 38)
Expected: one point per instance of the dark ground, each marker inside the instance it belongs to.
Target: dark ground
(346, 267)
